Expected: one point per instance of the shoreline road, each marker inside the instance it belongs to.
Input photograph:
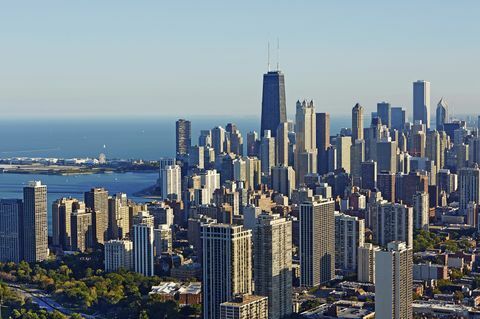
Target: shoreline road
(44, 301)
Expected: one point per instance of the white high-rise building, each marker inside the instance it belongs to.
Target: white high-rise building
(119, 217)
(394, 281)
(164, 162)
(342, 145)
(210, 180)
(172, 182)
(34, 219)
(432, 148)
(118, 254)
(267, 152)
(306, 140)
(468, 186)
(349, 235)
(143, 245)
(420, 210)
(227, 265)
(421, 102)
(272, 247)
(253, 171)
(357, 123)
(218, 139)
(392, 222)
(281, 144)
(317, 242)
(239, 170)
(366, 263)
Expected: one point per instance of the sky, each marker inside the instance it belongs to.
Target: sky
(184, 58)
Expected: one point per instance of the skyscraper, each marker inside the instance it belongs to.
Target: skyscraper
(393, 287)
(274, 110)
(118, 216)
(267, 153)
(387, 156)
(343, 144)
(183, 136)
(273, 263)
(11, 230)
(398, 118)
(35, 232)
(118, 254)
(442, 114)
(172, 182)
(357, 157)
(384, 112)
(283, 179)
(468, 186)
(391, 222)
(369, 174)
(162, 238)
(218, 139)
(420, 211)
(253, 144)
(317, 242)
(143, 244)
(474, 151)
(421, 102)
(281, 144)
(61, 218)
(386, 185)
(227, 265)
(81, 230)
(349, 235)
(357, 123)
(323, 141)
(306, 137)
(97, 200)
(432, 147)
(366, 263)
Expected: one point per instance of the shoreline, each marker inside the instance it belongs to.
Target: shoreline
(72, 172)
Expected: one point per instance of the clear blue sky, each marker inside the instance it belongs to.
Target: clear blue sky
(61, 58)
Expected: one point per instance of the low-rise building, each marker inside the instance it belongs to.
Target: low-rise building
(245, 307)
(184, 294)
(429, 271)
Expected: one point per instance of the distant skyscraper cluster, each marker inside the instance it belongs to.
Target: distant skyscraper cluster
(292, 206)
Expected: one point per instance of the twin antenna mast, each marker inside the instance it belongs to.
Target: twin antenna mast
(278, 56)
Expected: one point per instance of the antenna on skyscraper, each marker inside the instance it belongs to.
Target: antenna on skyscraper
(278, 54)
(268, 57)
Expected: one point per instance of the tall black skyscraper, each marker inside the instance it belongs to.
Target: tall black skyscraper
(323, 141)
(184, 136)
(274, 110)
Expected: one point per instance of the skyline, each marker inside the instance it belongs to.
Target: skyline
(145, 58)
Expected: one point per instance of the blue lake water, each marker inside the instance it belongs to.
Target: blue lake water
(146, 138)
(11, 185)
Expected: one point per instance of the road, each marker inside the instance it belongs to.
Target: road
(44, 301)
